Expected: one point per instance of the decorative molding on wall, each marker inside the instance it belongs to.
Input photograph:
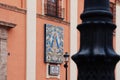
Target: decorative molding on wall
(7, 24)
(12, 8)
(23, 11)
(53, 19)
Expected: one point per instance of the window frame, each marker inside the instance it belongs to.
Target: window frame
(59, 13)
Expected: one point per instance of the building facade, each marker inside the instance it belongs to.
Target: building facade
(26, 52)
(35, 34)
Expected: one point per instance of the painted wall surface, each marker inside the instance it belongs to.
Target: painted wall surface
(40, 6)
(16, 3)
(80, 11)
(112, 1)
(16, 44)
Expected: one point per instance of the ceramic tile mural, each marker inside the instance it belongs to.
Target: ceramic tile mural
(53, 44)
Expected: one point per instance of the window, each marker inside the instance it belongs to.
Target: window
(53, 8)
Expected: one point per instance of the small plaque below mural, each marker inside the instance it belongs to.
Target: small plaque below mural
(54, 70)
(53, 44)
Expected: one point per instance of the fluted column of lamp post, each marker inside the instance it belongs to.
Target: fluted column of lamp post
(96, 58)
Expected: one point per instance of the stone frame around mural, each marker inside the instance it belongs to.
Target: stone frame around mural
(53, 42)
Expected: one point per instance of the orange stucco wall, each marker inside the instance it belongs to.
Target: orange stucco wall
(80, 10)
(16, 44)
(39, 6)
(17, 3)
(66, 9)
(112, 1)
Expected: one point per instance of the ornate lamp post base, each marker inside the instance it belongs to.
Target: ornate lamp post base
(96, 70)
(96, 58)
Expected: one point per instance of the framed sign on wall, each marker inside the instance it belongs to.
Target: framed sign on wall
(53, 44)
(54, 70)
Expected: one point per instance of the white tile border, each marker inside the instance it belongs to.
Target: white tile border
(117, 70)
(31, 40)
(47, 74)
(118, 28)
(73, 37)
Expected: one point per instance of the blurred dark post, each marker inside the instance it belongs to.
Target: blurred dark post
(96, 59)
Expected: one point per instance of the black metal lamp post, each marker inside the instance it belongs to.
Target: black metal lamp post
(96, 58)
(66, 59)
